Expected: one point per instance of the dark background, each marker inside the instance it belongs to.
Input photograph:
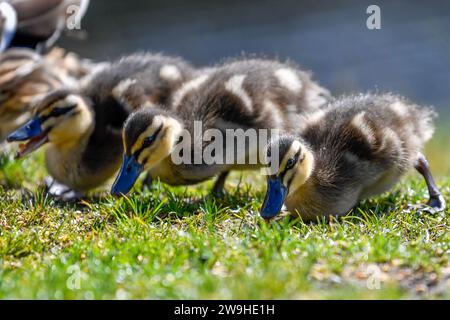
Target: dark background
(409, 55)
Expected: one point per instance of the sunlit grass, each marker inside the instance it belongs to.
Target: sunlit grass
(182, 243)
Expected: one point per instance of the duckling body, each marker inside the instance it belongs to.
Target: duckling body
(356, 147)
(243, 94)
(83, 125)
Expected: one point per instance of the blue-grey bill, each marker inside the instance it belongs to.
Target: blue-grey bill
(32, 133)
(274, 199)
(128, 174)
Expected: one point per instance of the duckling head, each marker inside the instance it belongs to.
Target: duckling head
(149, 136)
(296, 163)
(61, 118)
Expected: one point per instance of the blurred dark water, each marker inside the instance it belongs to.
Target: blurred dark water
(409, 55)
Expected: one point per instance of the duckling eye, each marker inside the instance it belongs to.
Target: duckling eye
(148, 141)
(290, 164)
(56, 112)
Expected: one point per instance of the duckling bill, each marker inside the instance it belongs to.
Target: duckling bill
(355, 148)
(33, 133)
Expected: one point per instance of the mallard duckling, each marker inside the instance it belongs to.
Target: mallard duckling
(26, 76)
(357, 147)
(243, 94)
(38, 24)
(82, 126)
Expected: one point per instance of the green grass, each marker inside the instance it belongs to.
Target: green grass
(180, 243)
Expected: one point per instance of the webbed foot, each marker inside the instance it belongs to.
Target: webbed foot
(219, 187)
(61, 191)
(148, 183)
(437, 202)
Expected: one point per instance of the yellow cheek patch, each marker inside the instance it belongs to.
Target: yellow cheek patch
(46, 111)
(288, 176)
(67, 131)
(164, 144)
(151, 129)
(306, 166)
(295, 147)
(68, 101)
(48, 123)
(149, 156)
(124, 141)
(303, 171)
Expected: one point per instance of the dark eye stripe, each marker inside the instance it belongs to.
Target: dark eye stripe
(57, 112)
(291, 179)
(286, 169)
(297, 155)
(149, 143)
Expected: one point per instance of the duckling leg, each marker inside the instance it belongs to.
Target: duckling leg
(218, 189)
(72, 195)
(148, 182)
(437, 201)
(61, 191)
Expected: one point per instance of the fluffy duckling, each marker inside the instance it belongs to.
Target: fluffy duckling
(26, 76)
(82, 126)
(243, 94)
(356, 147)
